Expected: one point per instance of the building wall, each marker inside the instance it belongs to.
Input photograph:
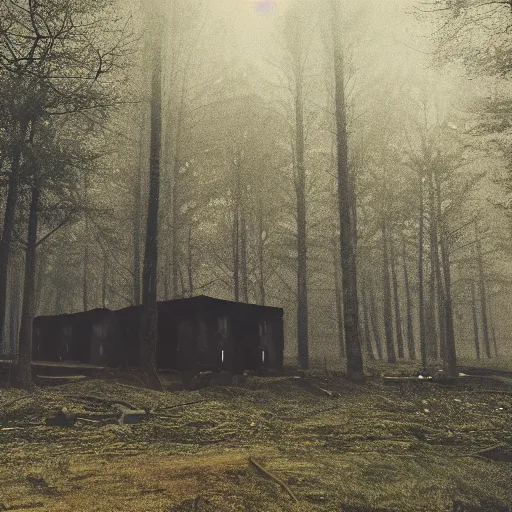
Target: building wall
(196, 334)
(125, 335)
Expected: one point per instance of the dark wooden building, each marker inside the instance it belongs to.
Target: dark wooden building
(81, 337)
(194, 334)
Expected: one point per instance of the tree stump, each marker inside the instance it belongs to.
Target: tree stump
(61, 418)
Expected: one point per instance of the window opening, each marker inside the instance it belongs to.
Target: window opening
(223, 325)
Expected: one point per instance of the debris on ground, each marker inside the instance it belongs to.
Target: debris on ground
(273, 443)
(61, 418)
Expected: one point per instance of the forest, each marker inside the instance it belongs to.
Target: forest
(349, 163)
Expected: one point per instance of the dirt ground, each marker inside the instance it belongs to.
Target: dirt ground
(265, 444)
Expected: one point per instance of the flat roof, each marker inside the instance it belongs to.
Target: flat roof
(224, 301)
(195, 298)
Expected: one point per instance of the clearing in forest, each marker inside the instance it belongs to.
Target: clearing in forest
(298, 443)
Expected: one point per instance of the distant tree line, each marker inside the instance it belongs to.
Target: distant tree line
(144, 157)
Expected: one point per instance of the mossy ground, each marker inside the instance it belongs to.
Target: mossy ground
(374, 447)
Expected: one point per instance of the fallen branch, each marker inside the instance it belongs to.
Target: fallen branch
(331, 394)
(275, 478)
(4, 429)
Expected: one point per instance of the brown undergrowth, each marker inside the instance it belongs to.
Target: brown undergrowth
(363, 448)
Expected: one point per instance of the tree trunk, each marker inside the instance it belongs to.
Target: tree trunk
(167, 276)
(338, 296)
(243, 255)
(190, 264)
(137, 221)
(483, 293)
(22, 375)
(149, 320)
(451, 354)
(430, 315)
(492, 323)
(236, 231)
(475, 321)
(374, 320)
(432, 334)
(347, 222)
(175, 194)
(421, 234)
(236, 258)
(10, 210)
(182, 282)
(366, 322)
(104, 281)
(175, 230)
(411, 346)
(386, 291)
(15, 292)
(300, 188)
(40, 278)
(398, 318)
(261, 251)
(59, 301)
(85, 274)
(447, 314)
(441, 310)
(436, 228)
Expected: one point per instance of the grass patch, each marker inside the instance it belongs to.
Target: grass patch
(368, 448)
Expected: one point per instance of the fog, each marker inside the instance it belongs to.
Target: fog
(255, 99)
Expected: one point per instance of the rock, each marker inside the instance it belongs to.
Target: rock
(129, 417)
(62, 418)
(201, 380)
